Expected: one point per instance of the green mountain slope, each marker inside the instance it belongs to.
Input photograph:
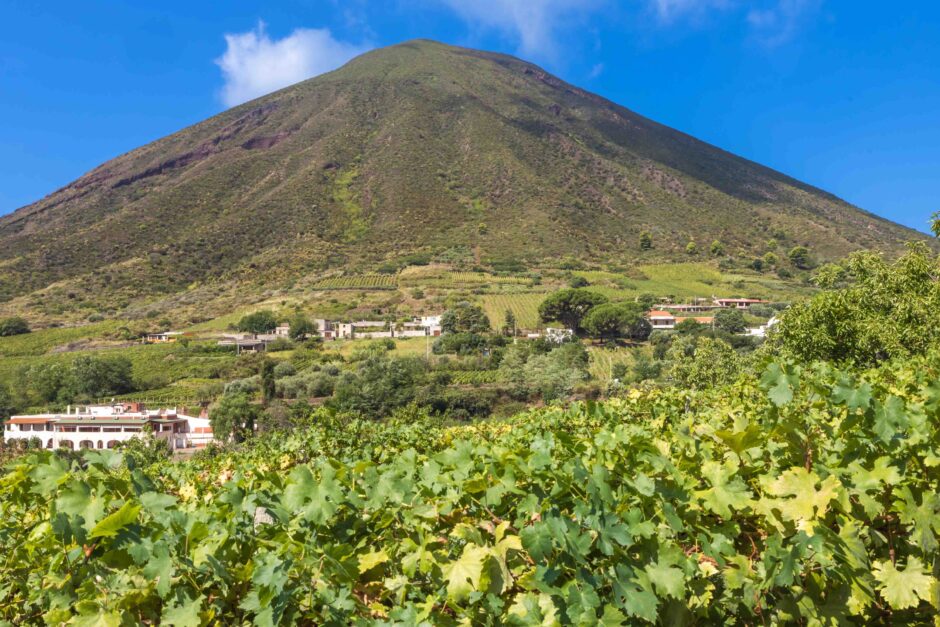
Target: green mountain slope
(465, 155)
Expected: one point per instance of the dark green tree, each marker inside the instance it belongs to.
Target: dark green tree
(799, 257)
(646, 240)
(263, 321)
(509, 323)
(716, 249)
(465, 318)
(570, 306)
(730, 320)
(233, 417)
(300, 327)
(617, 320)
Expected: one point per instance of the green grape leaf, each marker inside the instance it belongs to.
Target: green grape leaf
(903, 588)
(185, 614)
(113, 523)
(463, 575)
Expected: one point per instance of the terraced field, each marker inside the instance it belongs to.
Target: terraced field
(603, 360)
(524, 306)
(360, 282)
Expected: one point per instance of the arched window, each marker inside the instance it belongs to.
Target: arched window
(86, 444)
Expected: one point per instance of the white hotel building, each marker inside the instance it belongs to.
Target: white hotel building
(104, 426)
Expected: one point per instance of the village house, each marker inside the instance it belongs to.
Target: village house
(738, 303)
(162, 337)
(662, 320)
(104, 426)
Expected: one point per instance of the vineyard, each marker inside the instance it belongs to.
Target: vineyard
(524, 306)
(808, 496)
(361, 282)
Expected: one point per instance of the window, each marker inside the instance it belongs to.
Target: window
(131, 429)
(111, 429)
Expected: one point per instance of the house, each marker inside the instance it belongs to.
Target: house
(104, 426)
(252, 343)
(660, 319)
(738, 303)
(282, 330)
(325, 329)
(162, 337)
(696, 307)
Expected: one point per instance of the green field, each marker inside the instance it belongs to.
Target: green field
(361, 282)
(690, 280)
(524, 306)
(603, 360)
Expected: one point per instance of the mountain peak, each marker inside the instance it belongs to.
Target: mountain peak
(457, 153)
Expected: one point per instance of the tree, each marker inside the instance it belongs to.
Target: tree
(701, 363)
(889, 310)
(263, 321)
(799, 257)
(771, 260)
(758, 264)
(233, 417)
(268, 385)
(935, 223)
(465, 318)
(570, 306)
(301, 327)
(6, 403)
(772, 244)
(13, 326)
(646, 240)
(509, 323)
(716, 249)
(691, 248)
(617, 320)
(730, 320)
(646, 301)
(577, 281)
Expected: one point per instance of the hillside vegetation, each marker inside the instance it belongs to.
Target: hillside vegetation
(797, 491)
(420, 150)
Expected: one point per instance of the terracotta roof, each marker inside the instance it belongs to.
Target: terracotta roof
(29, 421)
(657, 313)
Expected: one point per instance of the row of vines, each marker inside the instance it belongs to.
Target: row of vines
(811, 495)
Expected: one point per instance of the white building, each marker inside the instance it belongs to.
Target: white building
(104, 426)
(660, 319)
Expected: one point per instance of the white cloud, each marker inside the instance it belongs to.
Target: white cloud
(253, 64)
(596, 71)
(670, 10)
(772, 22)
(777, 25)
(534, 24)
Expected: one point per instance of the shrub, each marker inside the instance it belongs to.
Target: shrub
(13, 326)
(284, 369)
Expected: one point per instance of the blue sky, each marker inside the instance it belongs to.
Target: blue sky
(844, 95)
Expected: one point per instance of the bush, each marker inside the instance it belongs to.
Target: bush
(284, 369)
(459, 343)
(13, 326)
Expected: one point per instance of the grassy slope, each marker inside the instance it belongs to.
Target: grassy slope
(467, 156)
